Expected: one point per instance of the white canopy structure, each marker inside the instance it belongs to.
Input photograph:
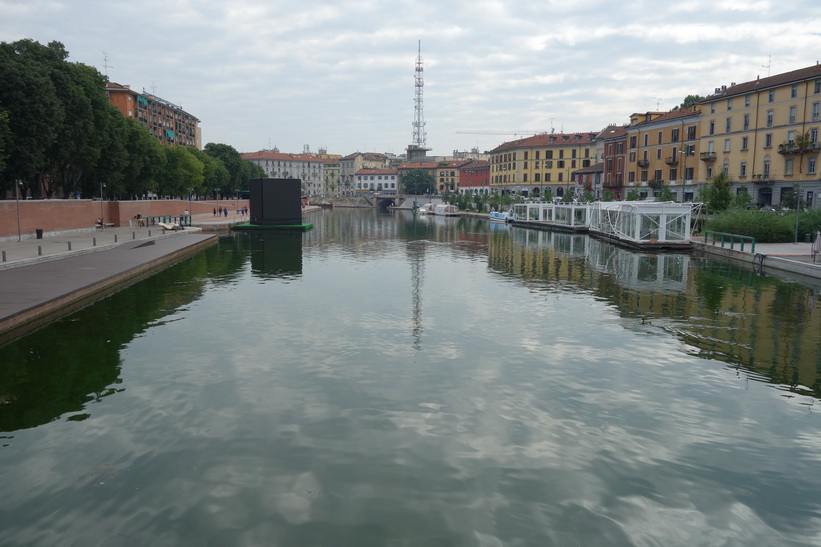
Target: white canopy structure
(643, 222)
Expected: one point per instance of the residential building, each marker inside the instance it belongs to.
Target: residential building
(306, 167)
(474, 178)
(447, 175)
(169, 123)
(352, 163)
(589, 180)
(536, 165)
(331, 176)
(662, 150)
(427, 166)
(764, 135)
(613, 145)
(377, 180)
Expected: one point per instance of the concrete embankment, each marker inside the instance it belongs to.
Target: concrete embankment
(42, 289)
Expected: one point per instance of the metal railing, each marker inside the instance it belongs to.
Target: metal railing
(731, 238)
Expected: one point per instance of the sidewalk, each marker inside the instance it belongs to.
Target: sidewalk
(788, 257)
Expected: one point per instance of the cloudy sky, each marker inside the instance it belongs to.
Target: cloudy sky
(340, 74)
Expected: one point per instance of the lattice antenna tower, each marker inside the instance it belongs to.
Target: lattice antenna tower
(419, 136)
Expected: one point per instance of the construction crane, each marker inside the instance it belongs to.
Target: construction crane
(525, 132)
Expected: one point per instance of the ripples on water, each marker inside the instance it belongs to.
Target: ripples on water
(384, 381)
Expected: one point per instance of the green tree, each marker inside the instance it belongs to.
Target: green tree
(608, 195)
(239, 170)
(633, 195)
(27, 93)
(689, 101)
(5, 140)
(183, 171)
(215, 175)
(418, 182)
(146, 161)
(741, 200)
(718, 196)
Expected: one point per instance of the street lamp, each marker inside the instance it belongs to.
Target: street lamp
(17, 184)
(102, 215)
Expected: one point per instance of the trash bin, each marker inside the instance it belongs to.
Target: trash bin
(39, 233)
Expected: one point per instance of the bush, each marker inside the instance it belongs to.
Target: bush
(765, 227)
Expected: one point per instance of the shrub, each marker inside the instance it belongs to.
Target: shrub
(766, 227)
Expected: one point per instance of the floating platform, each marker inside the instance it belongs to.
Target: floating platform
(247, 226)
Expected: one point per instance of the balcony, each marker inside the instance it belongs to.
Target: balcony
(671, 160)
(798, 147)
(643, 163)
(708, 156)
(761, 179)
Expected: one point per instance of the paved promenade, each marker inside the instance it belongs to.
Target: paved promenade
(42, 280)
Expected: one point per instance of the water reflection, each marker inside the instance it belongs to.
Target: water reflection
(722, 311)
(275, 254)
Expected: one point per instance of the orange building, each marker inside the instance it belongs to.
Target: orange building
(169, 123)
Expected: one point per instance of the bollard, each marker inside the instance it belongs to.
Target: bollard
(4, 256)
(133, 235)
(93, 241)
(69, 245)
(149, 233)
(115, 238)
(39, 250)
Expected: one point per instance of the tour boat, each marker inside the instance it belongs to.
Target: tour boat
(497, 216)
(445, 209)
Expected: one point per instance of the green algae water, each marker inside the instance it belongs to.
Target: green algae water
(388, 380)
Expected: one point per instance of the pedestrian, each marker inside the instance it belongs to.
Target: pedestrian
(215, 211)
(226, 212)
(220, 210)
(185, 217)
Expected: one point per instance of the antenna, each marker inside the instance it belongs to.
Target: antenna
(658, 102)
(769, 64)
(419, 137)
(106, 66)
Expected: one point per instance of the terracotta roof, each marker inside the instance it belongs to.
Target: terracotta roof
(758, 84)
(612, 132)
(548, 139)
(418, 165)
(262, 155)
(377, 172)
(476, 164)
(671, 115)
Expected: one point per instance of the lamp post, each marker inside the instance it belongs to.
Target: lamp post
(102, 215)
(17, 184)
(190, 210)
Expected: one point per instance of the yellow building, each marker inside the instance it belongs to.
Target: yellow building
(532, 166)
(764, 134)
(662, 150)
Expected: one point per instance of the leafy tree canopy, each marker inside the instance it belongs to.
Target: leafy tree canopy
(418, 182)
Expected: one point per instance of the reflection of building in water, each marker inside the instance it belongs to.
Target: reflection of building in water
(762, 324)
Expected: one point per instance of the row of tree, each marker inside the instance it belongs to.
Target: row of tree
(60, 137)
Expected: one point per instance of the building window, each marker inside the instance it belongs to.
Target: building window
(794, 91)
(817, 86)
(537, 177)
(747, 100)
(728, 125)
(710, 171)
(673, 174)
(726, 145)
(548, 164)
(793, 112)
(712, 108)
(632, 141)
(631, 177)
(746, 122)
(548, 154)
(644, 175)
(729, 104)
(791, 137)
(646, 139)
(770, 115)
(814, 135)
(768, 140)
(766, 171)
(658, 174)
(742, 169)
(691, 133)
(811, 166)
(659, 137)
(674, 135)
(745, 141)
(771, 96)
(712, 127)
(658, 153)
(788, 166)
(816, 111)
(560, 177)
(632, 156)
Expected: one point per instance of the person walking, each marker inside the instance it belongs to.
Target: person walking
(215, 211)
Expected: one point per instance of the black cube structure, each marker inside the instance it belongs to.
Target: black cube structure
(276, 204)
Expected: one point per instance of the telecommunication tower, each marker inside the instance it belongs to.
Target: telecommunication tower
(417, 148)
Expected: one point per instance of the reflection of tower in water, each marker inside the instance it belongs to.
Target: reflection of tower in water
(416, 254)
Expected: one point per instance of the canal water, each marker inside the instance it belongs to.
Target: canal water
(383, 380)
